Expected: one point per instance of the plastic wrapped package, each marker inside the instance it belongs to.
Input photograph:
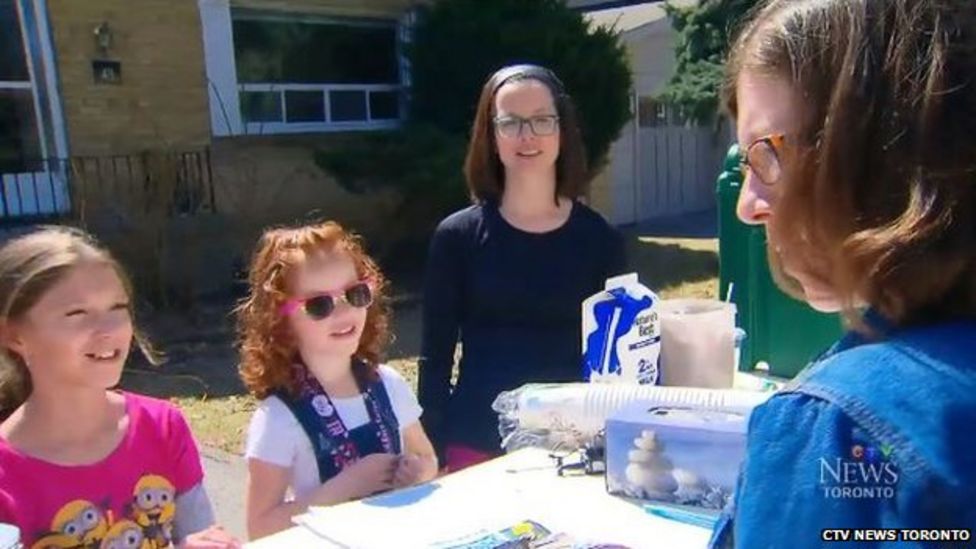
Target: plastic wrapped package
(569, 415)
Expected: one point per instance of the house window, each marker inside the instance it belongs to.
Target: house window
(309, 73)
(33, 183)
(19, 139)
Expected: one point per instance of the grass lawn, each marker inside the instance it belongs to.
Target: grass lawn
(201, 377)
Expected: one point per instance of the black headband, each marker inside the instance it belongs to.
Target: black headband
(520, 72)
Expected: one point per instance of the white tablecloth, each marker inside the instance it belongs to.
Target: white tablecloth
(522, 485)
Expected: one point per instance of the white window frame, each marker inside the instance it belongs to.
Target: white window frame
(217, 17)
(45, 191)
(329, 125)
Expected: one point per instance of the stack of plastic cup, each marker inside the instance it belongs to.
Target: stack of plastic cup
(9, 537)
(585, 407)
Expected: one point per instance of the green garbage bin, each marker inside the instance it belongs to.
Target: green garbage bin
(780, 331)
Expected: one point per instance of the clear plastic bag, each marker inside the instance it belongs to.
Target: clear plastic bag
(567, 416)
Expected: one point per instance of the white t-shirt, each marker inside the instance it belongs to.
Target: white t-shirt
(275, 436)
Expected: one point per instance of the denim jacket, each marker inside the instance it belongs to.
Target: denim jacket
(873, 435)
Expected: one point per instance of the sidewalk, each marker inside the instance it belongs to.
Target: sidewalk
(702, 224)
(225, 476)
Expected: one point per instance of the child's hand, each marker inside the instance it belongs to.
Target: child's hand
(371, 474)
(409, 470)
(214, 537)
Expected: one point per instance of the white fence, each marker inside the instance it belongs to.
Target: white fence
(665, 171)
(34, 194)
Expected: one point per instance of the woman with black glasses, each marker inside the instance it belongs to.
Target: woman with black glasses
(507, 275)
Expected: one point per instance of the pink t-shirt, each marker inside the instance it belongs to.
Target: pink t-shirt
(125, 500)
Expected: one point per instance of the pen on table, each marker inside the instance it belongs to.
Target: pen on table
(692, 518)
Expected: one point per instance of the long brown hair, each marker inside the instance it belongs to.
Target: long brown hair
(881, 184)
(32, 264)
(267, 348)
(483, 169)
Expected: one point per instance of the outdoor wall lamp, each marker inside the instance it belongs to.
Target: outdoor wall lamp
(104, 70)
(103, 38)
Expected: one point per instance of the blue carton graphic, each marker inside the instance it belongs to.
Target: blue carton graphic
(621, 333)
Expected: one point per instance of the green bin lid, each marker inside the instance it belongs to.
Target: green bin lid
(732, 159)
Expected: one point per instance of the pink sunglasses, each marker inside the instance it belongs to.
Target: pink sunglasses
(359, 294)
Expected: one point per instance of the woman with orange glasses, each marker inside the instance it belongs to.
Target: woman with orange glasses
(858, 121)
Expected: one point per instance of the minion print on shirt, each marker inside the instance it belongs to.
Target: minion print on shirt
(153, 507)
(79, 524)
(147, 524)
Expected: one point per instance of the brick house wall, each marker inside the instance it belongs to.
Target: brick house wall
(161, 101)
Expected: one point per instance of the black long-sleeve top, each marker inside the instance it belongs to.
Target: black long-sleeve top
(513, 299)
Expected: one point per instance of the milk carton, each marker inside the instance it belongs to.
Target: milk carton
(621, 333)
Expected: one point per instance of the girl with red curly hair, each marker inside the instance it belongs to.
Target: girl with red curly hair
(333, 424)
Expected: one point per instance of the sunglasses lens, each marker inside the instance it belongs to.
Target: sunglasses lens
(359, 295)
(319, 307)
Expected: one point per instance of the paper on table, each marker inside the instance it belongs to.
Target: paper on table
(423, 516)
(488, 498)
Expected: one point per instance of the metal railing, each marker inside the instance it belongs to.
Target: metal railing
(54, 189)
